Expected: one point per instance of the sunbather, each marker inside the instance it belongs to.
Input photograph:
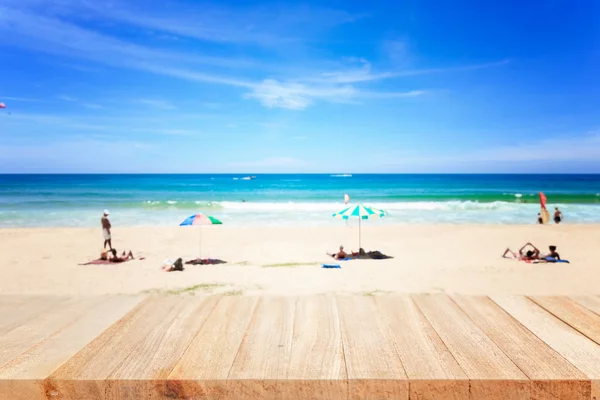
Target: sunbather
(553, 254)
(340, 255)
(176, 266)
(524, 255)
(124, 257)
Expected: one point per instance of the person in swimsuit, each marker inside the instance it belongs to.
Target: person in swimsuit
(340, 254)
(529, 255)
(553, 253)
(557, 215)
(124, 257)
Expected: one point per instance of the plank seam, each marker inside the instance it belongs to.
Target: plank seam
(126, 358)
(35, 315)
(197, 333)
(575, 300)
(561, 319)
(71, 322)
(441, 340)
(335, 298)
(533, 333)
(492, 340)
(237, 353)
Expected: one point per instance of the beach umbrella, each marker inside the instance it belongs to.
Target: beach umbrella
(361, 212)
(199, 220)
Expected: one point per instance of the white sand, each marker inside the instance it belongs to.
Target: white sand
(444, 258)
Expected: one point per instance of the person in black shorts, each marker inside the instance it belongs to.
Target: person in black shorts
(557, 215)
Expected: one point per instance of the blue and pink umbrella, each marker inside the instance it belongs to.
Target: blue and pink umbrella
(199, 220)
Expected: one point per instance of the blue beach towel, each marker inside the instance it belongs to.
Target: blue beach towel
(554, 260)
(331, 266)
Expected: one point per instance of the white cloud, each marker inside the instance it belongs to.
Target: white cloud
(34, 25)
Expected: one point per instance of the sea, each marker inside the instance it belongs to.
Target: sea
(47, 200)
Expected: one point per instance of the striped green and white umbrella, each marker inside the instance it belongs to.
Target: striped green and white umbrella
(361, 212)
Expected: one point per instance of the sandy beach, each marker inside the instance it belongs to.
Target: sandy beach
(463, 259)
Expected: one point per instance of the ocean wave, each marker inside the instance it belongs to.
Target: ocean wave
(341, 176)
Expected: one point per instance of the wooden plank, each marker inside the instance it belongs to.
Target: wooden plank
(431, 369)
(203, 370)
(84, 376)
(572, 345)
(374, 368)
(552, 376)
(592, 303)
(260, 367)
(41, 325)
(23, 378)
(577, 316)
(491, 373)
(19, 310)
(317, 369)
(143, 374)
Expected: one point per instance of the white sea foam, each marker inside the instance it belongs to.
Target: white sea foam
(341, 176)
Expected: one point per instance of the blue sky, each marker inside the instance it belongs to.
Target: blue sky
(378, 86)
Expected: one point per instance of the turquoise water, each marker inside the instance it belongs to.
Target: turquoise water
(78, 200)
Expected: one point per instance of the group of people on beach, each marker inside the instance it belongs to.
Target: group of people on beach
(110, 254)
(530, 253)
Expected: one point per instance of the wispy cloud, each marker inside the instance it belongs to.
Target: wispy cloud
(154, 103)
(20, 99)
(30, 25)
(66, 98)
(264, 26)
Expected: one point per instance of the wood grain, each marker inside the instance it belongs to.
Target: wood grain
(374, 368)
(491, 373)
(552, 376)
(85, 375)
(203, 370)
(40, 325)
(260, 367)
(569, 343)
(143, 374)
(317, 368)
(23, 377)
(571, 313)
(432, 370)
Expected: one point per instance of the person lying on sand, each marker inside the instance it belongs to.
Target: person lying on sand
(339, 255)
(176, 266)
(124, 257)
(531, 254)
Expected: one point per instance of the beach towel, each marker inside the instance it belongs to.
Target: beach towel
(205, 261)
(103, 262)
(331, 266)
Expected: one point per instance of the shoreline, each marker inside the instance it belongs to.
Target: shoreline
(442, 258)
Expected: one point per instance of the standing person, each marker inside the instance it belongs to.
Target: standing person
(106, 229)
(557, 215)
(539, 219)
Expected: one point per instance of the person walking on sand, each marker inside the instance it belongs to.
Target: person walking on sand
(106, 230)
(557, 215)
